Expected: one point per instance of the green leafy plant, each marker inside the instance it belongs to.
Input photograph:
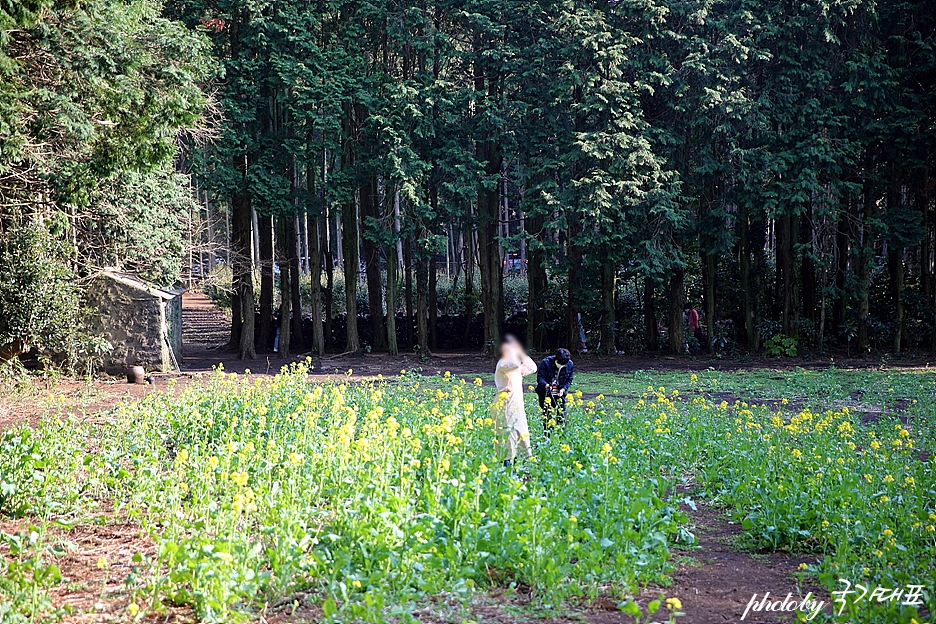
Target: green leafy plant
(779, 345)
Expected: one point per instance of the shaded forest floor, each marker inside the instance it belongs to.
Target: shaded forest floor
(714, 581)
(206, 330)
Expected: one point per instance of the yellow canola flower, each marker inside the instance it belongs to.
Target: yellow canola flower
(673, 604)
(240, 478)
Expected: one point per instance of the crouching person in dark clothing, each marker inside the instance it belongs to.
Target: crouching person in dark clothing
(553, 377)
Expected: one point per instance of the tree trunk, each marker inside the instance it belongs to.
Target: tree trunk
(651, 335)
(744, 266)
(864, 268)
(422, 303)
(785, 276)
(925, 245)
(433, 302)
(709, 300)
(349, 237)
(392, 347)
(677, 293)
(392, 271)
(840, 305)
(491, 268)
(574, 254)
(242, 272)
(537, 287)
(408, 291)
(292, 257)
(488, 152)
(757, 243)
(808, 280)
(315, 277)
(266, 330)
(608, 288)
(255, 237)
(329, 250)
(283, 234)
(236, 321)
(895, 287)
(371, 246)
(469, 282)
(895, 265)
(432, 294)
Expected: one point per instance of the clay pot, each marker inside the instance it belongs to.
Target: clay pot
(136, 374)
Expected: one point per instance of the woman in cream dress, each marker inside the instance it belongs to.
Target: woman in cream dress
(508, 413)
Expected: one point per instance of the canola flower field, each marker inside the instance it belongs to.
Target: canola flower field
(368, 498)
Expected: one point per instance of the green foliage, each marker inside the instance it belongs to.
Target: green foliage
(779, 345)
(38, 293)
(25, 579)
(137, 223)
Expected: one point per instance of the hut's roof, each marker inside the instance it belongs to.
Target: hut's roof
(132, 281)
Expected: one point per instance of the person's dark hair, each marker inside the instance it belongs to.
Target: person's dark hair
(687, 306)
(563, 356)
(509, 339)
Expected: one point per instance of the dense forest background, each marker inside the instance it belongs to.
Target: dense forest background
(471, 166)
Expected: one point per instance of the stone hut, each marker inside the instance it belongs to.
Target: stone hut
(142, 322)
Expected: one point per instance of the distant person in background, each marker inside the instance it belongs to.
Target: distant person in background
(554, 375)
(583, 348)
(507, 411)
(695, 327)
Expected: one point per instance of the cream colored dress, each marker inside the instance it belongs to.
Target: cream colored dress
(508, 411)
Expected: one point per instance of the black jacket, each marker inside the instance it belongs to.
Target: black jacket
(546, 373)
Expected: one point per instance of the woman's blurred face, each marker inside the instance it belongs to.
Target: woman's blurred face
(508, 348)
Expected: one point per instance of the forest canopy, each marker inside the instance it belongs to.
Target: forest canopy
(768, 162)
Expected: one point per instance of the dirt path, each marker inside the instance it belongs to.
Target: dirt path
(202, 321)
(720, 586)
